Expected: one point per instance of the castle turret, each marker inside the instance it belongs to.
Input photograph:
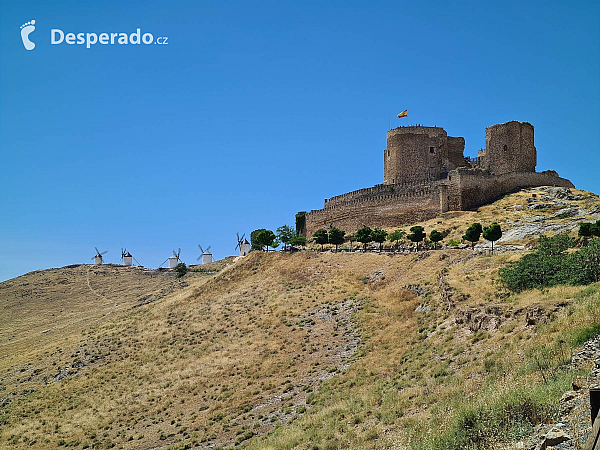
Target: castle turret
(417, 154)
(509, 147)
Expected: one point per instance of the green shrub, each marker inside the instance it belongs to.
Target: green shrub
(181, 269)
(549, 265)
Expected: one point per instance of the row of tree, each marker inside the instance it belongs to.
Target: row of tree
(366, 235)
(491, 233)
(262, 238)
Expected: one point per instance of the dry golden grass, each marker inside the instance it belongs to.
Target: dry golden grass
(47, 309)
(235, 354)
(309, 350)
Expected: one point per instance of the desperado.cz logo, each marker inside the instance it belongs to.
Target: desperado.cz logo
(58, 36)
(26, 30)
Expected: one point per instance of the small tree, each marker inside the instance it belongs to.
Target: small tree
(585, 231)
(379, 236)
(363, 235)
(269, 239)
(595, 228)
(417, 234)
(255, 239)
(435, 236)
(262, 238)
(181, 269)
(336, 236)
(320, 237)
(473, 234)
(298, 240)
(285, 233)
(396, 236)
(492, 233)
(351, 239)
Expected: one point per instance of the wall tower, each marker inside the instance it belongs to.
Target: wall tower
(509, 147)
(417, 154)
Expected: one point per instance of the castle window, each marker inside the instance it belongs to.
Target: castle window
(388, 153)
(431, 149)
(505, 147)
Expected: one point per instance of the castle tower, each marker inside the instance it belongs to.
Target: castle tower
(509, 147)
(417, 154)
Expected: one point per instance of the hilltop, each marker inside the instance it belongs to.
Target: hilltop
(308, 350)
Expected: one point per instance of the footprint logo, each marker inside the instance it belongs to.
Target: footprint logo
(26, 30)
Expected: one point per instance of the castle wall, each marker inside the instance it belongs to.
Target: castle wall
(378, 190)
(471, 188)
(384, 209)
(394, 205)
(456, 148)
(509, 147)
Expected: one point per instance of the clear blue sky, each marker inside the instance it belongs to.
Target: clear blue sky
(256, 110)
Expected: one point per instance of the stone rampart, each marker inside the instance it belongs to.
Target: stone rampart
(381, 206)
(383, 209)
(471, 188)
(377, 190)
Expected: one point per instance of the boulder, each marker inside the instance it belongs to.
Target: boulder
(554, 437)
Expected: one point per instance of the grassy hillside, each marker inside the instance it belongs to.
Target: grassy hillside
(45, 309)
(310, 350)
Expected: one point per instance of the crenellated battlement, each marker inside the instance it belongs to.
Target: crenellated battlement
(379, 189)
(417, 129)
(390, 196)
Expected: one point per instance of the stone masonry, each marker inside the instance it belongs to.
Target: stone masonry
(425, 173)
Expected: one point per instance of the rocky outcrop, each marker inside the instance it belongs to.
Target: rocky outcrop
(573, 426)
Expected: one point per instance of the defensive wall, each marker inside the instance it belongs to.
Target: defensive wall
(381, 209)
(471, 188)
(379, 190)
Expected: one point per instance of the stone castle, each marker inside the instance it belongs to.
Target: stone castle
(426, 173)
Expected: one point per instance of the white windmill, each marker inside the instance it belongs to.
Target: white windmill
(206, 255)
(243, 244)
(173, 260)
(98, 258)
(128, 258)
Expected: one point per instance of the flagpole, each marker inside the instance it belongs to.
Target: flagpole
(390, 122)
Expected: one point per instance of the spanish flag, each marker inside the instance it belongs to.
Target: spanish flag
(403, 114)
